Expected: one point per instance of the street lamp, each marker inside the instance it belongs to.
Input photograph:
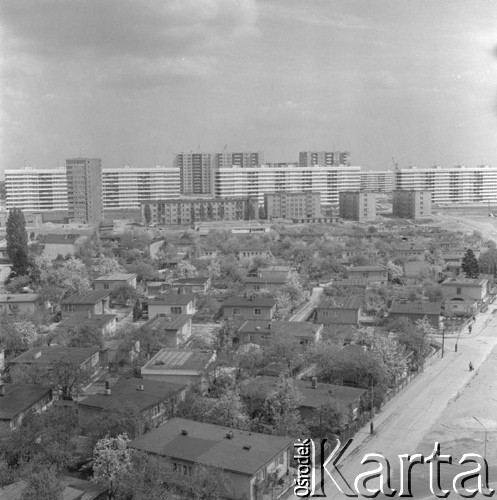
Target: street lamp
(485, 446)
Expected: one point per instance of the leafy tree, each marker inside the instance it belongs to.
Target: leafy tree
(185, 269)
(71, 275)
(282, 408)
(470, 264)
(395, 273)
(147, 213)
(17, 242)
(283, 304)
(205, 483)
(85, 336)
(111, 462)
(19, 284)
(50, 295)
(328, 420)
(17, 334)
(124, 293)
(143, 269)
(43, 484)
(433, 292)
(106, 265)
(68, 379)
(287, 349)
(249, 357)
(224, 334)
(116, 420)
(487, 261)
(137, 310)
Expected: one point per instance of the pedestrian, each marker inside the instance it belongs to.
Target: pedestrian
(471, 368)
(470, 329)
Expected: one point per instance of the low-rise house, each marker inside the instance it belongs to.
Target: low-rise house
(415, 271)
(359, 284)
(206, 254)
(415, 311)
(173, 331)
(17, 400)
(465, 288)
(251, 253)
(271, 284)
(260, 331)
(60, 244)
(154, 247)
(171, 304)
(374, 274)
(316, 394)
(118, 352)
(339, 311)
(271, 272)
(87, 358)
(156, 401)
(115, 280)
(247, 458)
(104, 323)
(15, 303)
(191, 285)
(404, 251)
(15, 491)
(179, 366)
(249, 307)
(459, 306)
(96, 302)
(154, 288)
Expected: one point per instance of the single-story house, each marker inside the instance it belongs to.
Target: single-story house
(407, 250)
(206, 254)
(171, 304)
(154, 288)
(275, 271)
(118, 351)
(156, 401)
(191, 285)
(460, 306)
(357, 283)
(174, 331)
(257, 331)
(179, 366)
(60, 244)
(466, 288)
(249, 307)
(96, 302)
(415, 270)
(271, 284)
(251, 253)
(247, 458)
(339, 311)
(416, 310)
(114, 280)
(105, 323)
(374, 274)
(17, 400)
(15, 303)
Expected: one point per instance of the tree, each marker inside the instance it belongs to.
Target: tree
(470, 264)
(327, 420)
(185, 269)
(111, 462)
(17, 334)
(487, 261)
(137, 310)
(147, 213)
(285, 348)
(250, 357)
(68, 379)
(282, 408)
(71, 275)
(123, 293)
(205, 483)
(106, 265)
(116, 420)
(17, 242)
(283, 304)
(85, 336)
(43, 484)
(19, 284)
(395, 273)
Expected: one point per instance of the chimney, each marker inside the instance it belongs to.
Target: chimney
(314, 382)
(107, 388)
(2, 389)
(184, 432)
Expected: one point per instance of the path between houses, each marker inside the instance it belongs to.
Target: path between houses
(306, 310)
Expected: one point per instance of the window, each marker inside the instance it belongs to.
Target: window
(458, 291)
(257, 287)
(106, 286)
(176, 310)
(281, 459)
(257, 311)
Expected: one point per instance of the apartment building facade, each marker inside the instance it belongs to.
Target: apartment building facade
(411, 204)
(189, 211)
(246, 159)
(256, 181)
(381, 181)
(357, 205)
(324, 158)
(458, 184)
(84, 190)
(195, 172)
(36, 190)
(292, 205)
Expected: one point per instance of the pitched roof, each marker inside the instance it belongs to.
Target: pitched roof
(173, 299)
(207, 444)
(88, 298)
(167, 322)
(291, 328)
(58, 239)
(14, 298)
(77, 320)
(364, 269)
(126, 392)
(351, 282)
(419, 307)
(20, 397)
(190, 281)
(168, 359)
(276, 280)
(340, 303)
(465, 282)
(117, 277)
(52, 354)
(238, 301)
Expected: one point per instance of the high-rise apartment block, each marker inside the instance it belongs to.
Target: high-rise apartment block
(249, 159)
(195, 172)
(412, 204)
(189, 211)
(84, 190)
(256, 181)
(125, 187)
(377, 180)
(36, 190)
(357, 205)
(292, 205)
(458, 184)
(324, 158)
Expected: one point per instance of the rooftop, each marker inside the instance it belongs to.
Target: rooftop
(15, 491)
(51, 354)
(351, 282)
(291, 328)
(208, 444)
(167, 322)
(57, 239)
(78, 320)
(126, 392)
(419, 307)
(277, 280)
(18, 297)
(279, 269)
(179, 359)
(190, 281)
(173, 299)
(87, 299)
(465, 281)
(340, 303)
(364, 269)
(19, 397)
(238, 301)
(408, 246)
(117, 277)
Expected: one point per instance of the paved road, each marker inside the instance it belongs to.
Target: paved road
(401, 425)
(304, 313)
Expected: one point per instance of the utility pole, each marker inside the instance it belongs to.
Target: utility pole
(443, 342)
(371, 424)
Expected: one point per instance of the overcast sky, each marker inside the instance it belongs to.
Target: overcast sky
(135, 82)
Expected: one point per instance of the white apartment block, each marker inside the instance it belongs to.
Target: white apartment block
(457, 184)
(381, 181)
(125, 187)
(36, 190)
(256, 181)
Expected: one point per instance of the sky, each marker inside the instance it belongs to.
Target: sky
(138, 81)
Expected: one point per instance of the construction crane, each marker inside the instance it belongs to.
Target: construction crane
(395, 164)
